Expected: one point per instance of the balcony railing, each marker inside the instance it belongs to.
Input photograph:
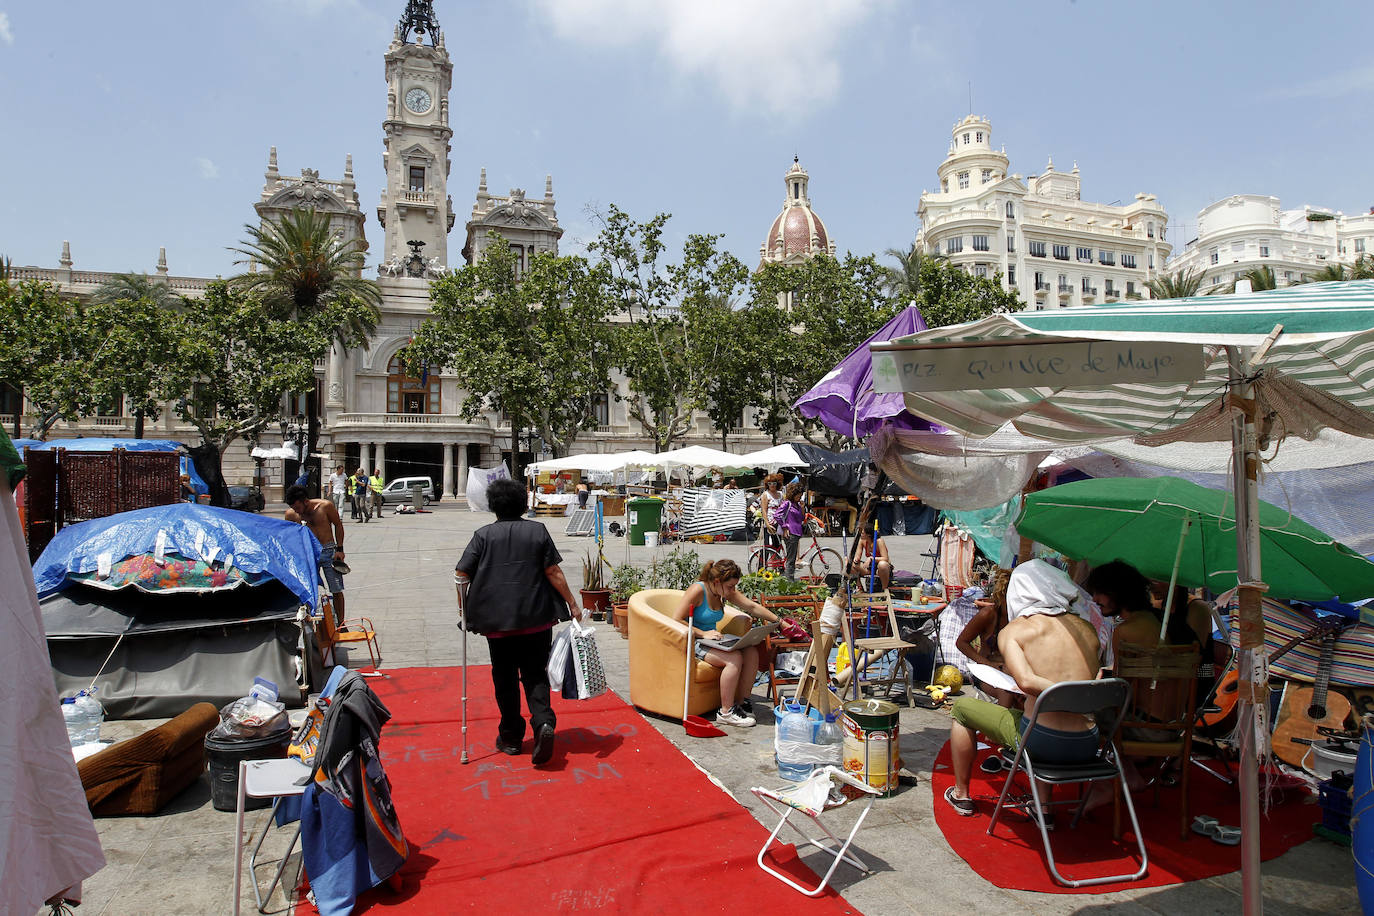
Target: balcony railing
(1113, 293)
(1065, 289)
(404, 420)
(1041, 286)
(1090, 292)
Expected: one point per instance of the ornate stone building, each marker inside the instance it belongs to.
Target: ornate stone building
(1050, 246)
(797, 233)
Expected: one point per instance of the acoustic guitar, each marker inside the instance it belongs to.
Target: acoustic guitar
(1307, 709)
(1226, 692)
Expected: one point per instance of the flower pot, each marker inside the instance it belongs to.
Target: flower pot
(618, 611)
(596, 600)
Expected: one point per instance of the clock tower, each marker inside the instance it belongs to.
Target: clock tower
(415, 209)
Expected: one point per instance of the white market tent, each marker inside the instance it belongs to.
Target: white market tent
(698, 456)
(774, 457)
(594, 461)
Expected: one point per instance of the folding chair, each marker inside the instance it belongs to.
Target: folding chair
(279, 778)
(880, 605)
(778, 604)
(1105, 701)
(360, 629)
(785, 803)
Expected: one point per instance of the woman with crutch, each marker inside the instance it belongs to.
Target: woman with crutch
(512, 591)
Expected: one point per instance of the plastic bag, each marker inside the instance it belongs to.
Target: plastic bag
(251, 717)
(842, 660)
(584, 662)
(558, 658)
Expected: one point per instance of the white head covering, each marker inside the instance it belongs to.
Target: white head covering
(1037, 587)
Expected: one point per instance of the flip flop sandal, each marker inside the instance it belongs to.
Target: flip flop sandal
(1205, 825)
(962, 806)
(1226, 836)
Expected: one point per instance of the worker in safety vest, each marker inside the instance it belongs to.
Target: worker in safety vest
(376, 483)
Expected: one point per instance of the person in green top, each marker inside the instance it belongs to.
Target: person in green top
(376, 482)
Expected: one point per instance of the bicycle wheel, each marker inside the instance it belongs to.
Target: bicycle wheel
(826, 561)
(763, 559)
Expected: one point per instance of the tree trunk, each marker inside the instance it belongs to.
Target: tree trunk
(138, 423)
(207, 457)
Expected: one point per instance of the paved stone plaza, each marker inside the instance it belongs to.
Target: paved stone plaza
(182, 860)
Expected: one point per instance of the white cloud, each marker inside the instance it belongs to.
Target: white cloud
(1355, 81)
(6, 33)
(760, 55)
(208, 169)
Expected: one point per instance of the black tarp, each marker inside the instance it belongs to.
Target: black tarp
(172, 650)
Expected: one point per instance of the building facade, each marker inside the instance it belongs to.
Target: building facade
(372, 413)
(798, 232)
(1248, 231)
(1048, 244)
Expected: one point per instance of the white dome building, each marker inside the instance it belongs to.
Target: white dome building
(798, 233)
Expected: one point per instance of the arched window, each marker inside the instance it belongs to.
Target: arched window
(407, 394)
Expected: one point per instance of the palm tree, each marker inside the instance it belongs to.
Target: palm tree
(132, 287)
(903, 282)
(1260, 278)
(1176, 286)
(303, 267)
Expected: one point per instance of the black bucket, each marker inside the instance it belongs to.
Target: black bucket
(224, 755)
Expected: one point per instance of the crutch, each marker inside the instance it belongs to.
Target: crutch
(460, 583)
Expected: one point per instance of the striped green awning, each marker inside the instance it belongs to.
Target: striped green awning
(1318, 371)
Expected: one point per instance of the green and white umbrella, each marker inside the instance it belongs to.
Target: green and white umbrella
(1251, 367)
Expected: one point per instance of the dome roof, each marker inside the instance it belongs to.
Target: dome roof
(798, 231)
(795, 227)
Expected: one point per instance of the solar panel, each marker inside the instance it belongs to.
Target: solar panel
(581, 523)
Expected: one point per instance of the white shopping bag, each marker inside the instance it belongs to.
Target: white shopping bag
(558, 658)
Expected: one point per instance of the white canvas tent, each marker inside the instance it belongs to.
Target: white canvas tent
(48, 841)
(773, 458)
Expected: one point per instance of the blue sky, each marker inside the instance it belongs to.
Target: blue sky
(140, 124)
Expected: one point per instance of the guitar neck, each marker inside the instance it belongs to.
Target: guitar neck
(1323, 681)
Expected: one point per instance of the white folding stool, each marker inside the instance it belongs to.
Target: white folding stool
(829, 843)
(279, 778)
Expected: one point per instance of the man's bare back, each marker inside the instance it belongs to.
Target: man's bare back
(321, 517)
(1042, 650)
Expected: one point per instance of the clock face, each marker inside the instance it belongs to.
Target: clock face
(417, 100)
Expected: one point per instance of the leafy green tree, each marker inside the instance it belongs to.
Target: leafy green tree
(650, 346)
(304, 270)
(721, 364)
(1261, 278)
(814, 313)
(1362, 269)
(951, 295)
(1176, 286)
(234, 358)
(47, 351)
(537, 346)
(132, 313)
(903, 282)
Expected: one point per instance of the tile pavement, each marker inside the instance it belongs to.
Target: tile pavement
(181, 860)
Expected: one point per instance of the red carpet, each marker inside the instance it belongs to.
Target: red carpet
(620, 821)
(1014, 857)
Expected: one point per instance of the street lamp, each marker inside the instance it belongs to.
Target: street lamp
(293, 430)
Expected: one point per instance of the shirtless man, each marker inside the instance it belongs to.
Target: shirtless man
(323, 519)
(1039, 650)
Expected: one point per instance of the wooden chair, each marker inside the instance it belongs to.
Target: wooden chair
(329, 634)
(813, 687)
(1164, 703)
(779, 604)
(879, 605)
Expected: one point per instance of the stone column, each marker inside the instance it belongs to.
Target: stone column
(363, 458)
(333, 379)
(462, 468)
(448, 470)
(379, 456)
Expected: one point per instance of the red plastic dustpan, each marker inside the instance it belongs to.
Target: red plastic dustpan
(696, 726)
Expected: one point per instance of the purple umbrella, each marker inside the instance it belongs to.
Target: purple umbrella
(844, 400)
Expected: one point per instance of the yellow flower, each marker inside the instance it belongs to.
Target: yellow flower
(768, 577)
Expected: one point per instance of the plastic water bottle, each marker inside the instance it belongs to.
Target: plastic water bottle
(83, 715)
(831, 740)
(795, 727)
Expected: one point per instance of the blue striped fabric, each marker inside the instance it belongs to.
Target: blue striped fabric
(1352, 663)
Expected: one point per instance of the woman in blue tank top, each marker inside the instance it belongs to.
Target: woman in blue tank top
(702, 608)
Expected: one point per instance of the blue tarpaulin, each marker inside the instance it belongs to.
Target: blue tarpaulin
(284, 550)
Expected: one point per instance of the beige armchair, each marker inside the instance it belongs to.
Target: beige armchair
(658, 651)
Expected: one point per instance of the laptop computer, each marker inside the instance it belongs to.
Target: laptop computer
(755, 636)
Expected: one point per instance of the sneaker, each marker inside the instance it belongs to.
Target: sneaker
(745, 707)
(962, 806)
(543, 745)
(735, 718)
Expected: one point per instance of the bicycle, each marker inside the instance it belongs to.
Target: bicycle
(821, 561)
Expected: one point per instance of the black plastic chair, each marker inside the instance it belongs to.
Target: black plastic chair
(1105, 701)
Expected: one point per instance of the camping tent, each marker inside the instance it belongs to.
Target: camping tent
(197, 636)
(48, 841)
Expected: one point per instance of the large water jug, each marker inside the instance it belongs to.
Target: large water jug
(83, 715)
(830, 739)
(795, 730)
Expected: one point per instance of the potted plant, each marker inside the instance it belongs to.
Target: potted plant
(596, 597)
(626, 579)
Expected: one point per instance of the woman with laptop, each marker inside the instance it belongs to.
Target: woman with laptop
(702, 608)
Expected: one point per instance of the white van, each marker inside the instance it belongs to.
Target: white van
(397, 492)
